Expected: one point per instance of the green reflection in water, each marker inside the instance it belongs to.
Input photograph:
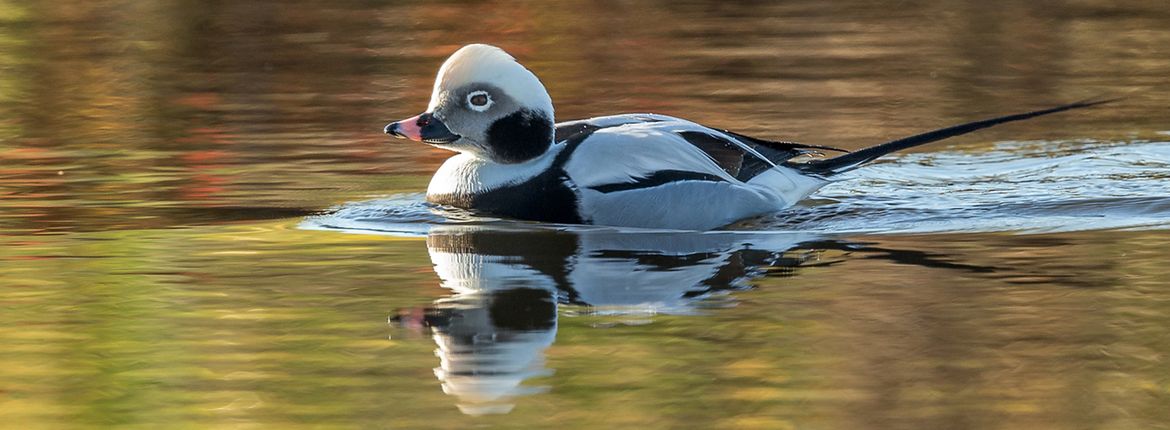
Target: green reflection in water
(157, 156)
(257, 323)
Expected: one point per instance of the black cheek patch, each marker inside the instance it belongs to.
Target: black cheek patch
(520, 137)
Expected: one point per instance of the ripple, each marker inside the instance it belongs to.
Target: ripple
(1024, 187)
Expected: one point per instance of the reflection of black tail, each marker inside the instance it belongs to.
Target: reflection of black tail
(853, 160)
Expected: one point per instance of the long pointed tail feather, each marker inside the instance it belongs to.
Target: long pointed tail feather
(853, 160)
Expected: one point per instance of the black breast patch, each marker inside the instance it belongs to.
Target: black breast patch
(547, 197)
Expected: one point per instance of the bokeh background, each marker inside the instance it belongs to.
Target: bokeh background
(175, 104)
(157, 156)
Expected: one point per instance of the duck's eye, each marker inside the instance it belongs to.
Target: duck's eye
(479, 101)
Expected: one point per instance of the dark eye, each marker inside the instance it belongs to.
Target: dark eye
(479, 101)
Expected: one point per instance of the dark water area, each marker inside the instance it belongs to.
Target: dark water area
(203, 226)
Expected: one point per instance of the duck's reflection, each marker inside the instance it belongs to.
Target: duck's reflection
(492, 333)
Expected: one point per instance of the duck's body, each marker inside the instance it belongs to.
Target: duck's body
(634, 170)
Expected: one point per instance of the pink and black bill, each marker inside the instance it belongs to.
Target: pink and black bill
(422, 128)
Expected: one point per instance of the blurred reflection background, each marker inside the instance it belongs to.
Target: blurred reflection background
(156, 158)
(134, 113)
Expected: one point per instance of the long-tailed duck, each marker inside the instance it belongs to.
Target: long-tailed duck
(632, 170)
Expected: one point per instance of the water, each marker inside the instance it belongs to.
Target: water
(201, 224)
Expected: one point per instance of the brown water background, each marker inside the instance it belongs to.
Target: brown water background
(158, 160)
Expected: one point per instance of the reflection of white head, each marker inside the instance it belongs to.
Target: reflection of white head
(484, 354)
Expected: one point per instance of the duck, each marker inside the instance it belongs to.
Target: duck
(637, 170)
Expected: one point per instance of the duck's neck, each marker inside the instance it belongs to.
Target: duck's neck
(469, 175)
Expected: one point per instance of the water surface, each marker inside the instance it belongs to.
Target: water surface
(201, 224)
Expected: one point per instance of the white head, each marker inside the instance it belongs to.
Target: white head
(486, 104)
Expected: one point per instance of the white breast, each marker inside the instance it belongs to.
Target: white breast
(466, 174)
